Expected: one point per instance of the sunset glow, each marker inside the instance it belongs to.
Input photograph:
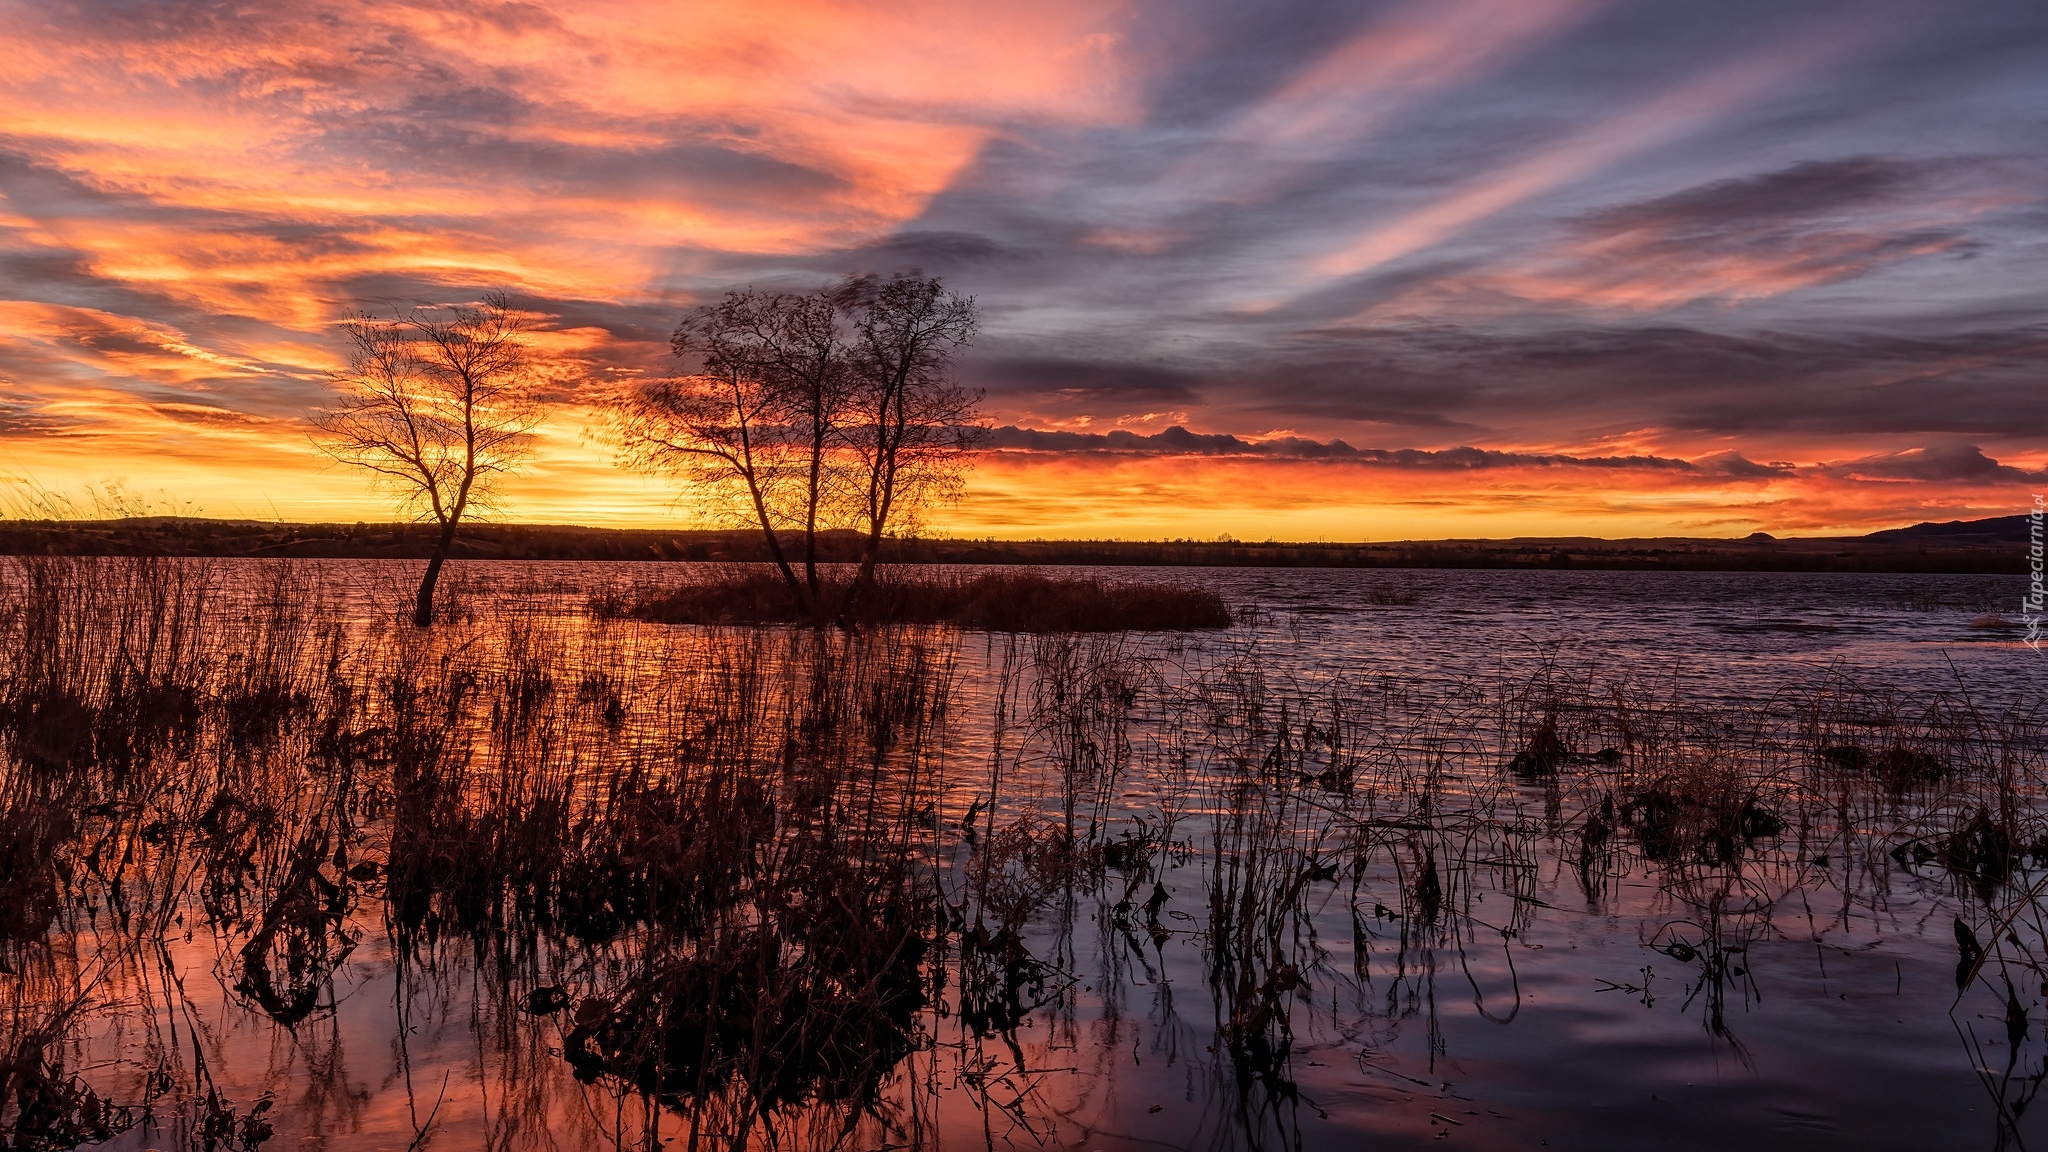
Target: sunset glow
(1670, 269)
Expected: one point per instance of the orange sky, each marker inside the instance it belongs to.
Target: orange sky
(1402, 226)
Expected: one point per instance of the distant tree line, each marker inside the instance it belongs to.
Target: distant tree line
(797, 412)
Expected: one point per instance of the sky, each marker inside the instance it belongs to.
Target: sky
(1279, 269)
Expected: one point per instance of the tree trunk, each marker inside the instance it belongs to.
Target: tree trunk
(862, 578)
(882, 501)
(797, 591)
(423, 604)
(811, 499)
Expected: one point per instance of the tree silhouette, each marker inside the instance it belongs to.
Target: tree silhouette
(814, 411)
(912, 425)
(438, 404)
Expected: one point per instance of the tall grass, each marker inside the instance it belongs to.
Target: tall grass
(738, 886)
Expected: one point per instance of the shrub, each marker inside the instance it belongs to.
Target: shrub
(993, 600)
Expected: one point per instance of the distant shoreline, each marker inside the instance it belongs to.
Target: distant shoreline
(1984, 546)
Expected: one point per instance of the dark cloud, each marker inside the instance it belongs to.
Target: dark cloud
(1085, 382)
(935, 252)
(693, 171)
(44, 190)
(516, 17)
(1735, 466)
(470, 136)
(1944, 463)
(1665, 376)
(1803, 191)
(207, 415)
(1949, 463)
(1566, 381)
(1178, 441)
(23, 421)
(1814, 223)
(646, 328)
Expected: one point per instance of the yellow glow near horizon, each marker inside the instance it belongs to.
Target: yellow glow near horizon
(570, 479)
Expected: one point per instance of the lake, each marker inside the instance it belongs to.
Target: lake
(1493, 859)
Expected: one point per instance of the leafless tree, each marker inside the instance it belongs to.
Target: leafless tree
(815, 411)
(913, 425)
(723, 433)
(758, 423)
(438, 404)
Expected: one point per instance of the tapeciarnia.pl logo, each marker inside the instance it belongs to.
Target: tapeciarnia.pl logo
(2036, 600)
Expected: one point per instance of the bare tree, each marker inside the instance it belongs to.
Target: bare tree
(914, 425)
(722, 432)
(437, 404)
(793, 345)
(757, 425)
(815, 411)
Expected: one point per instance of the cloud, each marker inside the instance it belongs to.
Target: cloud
(1178, 441)
(1945, 463)
(1812, 223)
(211, 416)
(1332, 102)
(1168, 491)
(1811, 189)
(1677, 111)
(20, 420)
(1518, 244)
(919, 250)
(1087, 382)
(1563, 383)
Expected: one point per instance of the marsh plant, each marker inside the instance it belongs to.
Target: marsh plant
(604, 882)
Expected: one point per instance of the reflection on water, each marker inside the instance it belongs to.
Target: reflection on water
(1590, 859)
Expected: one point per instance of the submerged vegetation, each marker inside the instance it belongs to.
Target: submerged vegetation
(602, 884)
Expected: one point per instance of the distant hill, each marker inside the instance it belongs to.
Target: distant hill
(1987, 546)
(1999, 529)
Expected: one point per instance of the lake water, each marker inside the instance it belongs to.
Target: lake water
(1407, 859)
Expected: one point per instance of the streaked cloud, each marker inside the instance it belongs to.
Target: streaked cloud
(1335, 102)
(1666, 117)
(1560, 262)
(1748, 238)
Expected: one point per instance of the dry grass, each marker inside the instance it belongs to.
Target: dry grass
(729, 880)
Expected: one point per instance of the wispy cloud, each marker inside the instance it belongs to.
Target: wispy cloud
(1333, 105)
(1682, 109)
(1516, 244)
(1747, 238)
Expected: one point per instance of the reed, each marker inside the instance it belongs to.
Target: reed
(993, 600)
(732, 885)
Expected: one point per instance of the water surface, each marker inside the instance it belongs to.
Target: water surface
(1319, 881)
